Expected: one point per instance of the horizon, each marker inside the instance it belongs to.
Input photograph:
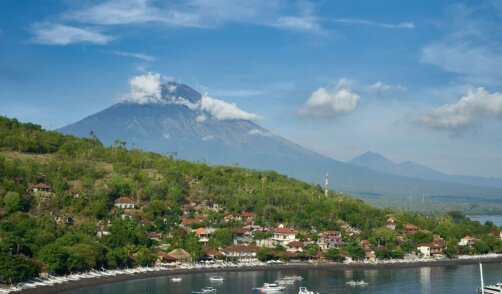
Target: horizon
(411, 81)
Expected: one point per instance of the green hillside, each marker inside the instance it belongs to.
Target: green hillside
(61, 229)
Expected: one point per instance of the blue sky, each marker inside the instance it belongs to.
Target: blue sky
(412, 80)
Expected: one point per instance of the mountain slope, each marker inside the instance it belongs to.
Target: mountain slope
(378, 162)
(179, 126)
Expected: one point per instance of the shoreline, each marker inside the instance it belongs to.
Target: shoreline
(84, 283)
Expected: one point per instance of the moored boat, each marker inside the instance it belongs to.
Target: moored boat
(269, 288)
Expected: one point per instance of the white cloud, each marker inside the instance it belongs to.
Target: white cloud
(222, 110)
(145, 89)
(166, 136)
(257, 132)
(141, 56)
(352, 21)
(298, 23)
(330, 103)
(470, 110)
(382, 87)
(207, 138)
(58, 34)
(476, 63)
(201, 118)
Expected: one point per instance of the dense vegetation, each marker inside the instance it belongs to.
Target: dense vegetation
(60, 230)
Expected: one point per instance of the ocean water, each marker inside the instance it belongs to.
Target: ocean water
(496, 219)
(440, 279)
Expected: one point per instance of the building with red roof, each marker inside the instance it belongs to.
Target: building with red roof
(125, 203)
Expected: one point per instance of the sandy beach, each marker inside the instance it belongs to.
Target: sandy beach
(175, 272)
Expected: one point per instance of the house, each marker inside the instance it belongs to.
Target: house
(282, 236)
(212, 254)
(40, 188)
(202, 234)
(410, 229)
(186, 221)
(241, 251)
(330, 239)
(242, 236)
(467, 241)
(434, 249)
(391, 223)
(295, 246)
(180, 255)
(125, 203)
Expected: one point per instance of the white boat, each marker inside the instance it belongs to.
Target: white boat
(269, 287)
(357, 283)
(488, 289)
(294, 278)
(216, 278)
(304, 290)
(205, 290)
(176, 279)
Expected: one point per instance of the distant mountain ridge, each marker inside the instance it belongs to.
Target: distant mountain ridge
(378, 162)
(176, 125)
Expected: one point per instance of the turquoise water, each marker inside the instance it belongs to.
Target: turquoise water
(496, 219)
(447, 279)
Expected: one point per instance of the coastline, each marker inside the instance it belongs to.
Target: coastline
(322, 265)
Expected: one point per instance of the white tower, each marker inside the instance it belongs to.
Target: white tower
(326, 186)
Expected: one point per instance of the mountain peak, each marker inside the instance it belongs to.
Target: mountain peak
(171, 89)
(369, 155)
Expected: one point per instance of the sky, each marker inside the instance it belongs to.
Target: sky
(411, 80)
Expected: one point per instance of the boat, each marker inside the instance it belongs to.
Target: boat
(488, 289)
(269, 287)
(304, 290)
(360, 283)
(176, 279)
(294, 278)
(216, 279)
(205, 290)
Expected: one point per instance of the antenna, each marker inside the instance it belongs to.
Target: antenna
(326, 186)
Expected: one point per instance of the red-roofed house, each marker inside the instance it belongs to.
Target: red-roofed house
(431, 249)
(202, 234)
(295, 246)
(124, 202)
(410, 229)
(282, 236)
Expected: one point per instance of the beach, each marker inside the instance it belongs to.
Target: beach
(58, 288)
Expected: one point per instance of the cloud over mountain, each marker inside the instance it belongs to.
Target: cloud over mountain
(331, 102)
(147, 88)
(471, 109)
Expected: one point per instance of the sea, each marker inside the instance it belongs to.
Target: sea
(437, 279)
(495, 219)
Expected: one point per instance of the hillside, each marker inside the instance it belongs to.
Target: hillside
(178, 126)
(70, 204)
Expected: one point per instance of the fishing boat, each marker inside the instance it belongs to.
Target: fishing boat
(488, 289)
(304, 290)
(216, 279)
(176, 279)
(205, 290)
(357, 283)
(269, 288)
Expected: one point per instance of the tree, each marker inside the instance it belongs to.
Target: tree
(221, 238)
(356, 251)
(334, 255)
(55, 257)
(16, 268)
(12, 202)
(481, 247)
